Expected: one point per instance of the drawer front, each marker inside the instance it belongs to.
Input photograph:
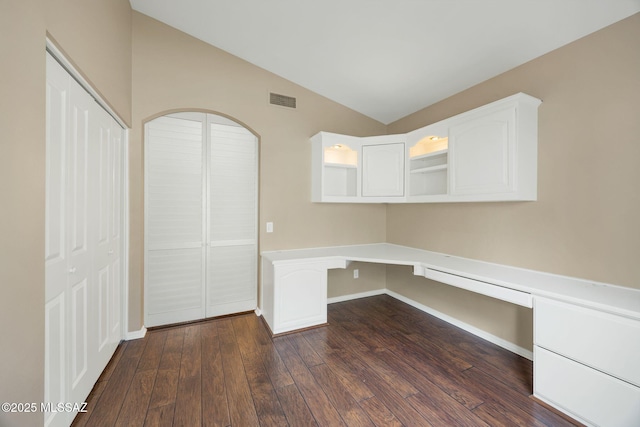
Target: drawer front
(500, 292)
(604, 341)
(589, 395)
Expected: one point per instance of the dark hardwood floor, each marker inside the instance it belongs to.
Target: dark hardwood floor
(380, 362)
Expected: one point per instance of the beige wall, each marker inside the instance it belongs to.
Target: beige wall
(172, 70)
(371, 277)
(104, 59)
(96, 37)
(22, 92)
(585, 222)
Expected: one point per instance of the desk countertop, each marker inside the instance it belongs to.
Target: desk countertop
(602, 296)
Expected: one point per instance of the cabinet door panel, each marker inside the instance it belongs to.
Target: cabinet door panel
(483, 154)
(383, 170)
(300, 296)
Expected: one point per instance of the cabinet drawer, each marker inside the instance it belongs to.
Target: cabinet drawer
(604, 341)
(591, 396)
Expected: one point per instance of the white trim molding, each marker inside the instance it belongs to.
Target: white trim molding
(350, 297)
(136, 335)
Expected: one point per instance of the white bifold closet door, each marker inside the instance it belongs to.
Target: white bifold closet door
(83, 241)
(201, 192)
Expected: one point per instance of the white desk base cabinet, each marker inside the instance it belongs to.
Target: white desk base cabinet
(294, 295)
(587, 363)
(586, 338)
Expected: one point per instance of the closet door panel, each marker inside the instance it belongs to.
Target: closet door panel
(233, 184)
(232, 207)
(232, 274)
(102, 299)
(176, 293)
(174, 237)
(78, 345)
(105, 247)
(81, 375)
(57, 110)
(55, 350)
(115, 226)
(57, 318)
(174, 187)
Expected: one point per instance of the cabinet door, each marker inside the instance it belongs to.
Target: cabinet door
(482, 154)
(383, 170)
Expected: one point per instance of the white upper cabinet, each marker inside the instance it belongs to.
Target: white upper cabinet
(428, 163)
(493, 151)
(486, 154)
(335, 168)
(352, 169)
(383, 166)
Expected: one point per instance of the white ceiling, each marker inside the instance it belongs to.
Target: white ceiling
(387, 58)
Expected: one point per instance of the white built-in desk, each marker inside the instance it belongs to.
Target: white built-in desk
(586, 334)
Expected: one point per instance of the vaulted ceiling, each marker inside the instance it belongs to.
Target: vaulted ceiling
(387, 58)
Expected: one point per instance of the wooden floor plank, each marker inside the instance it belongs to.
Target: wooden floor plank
(340, 398)
(315, 398)
(188, 405)
(509, 405)
(379, 413)
(215, 407)
(150, 358)
(317, 338)
(264, 396)
(136, 402)
(165, 387)
(160, 416)
(441, 409)
(241, 408)
(111, 400)
(295, 407)
(277, 371)
(82, 418)
(379, 362)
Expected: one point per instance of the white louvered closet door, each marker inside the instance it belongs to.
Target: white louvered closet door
(174, 236)
(201, 218)
(232, 220)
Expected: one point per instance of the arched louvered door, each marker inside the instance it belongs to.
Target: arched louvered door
(201, 193)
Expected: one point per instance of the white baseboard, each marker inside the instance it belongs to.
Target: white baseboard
(452, 320)
(342, 298)
(136, 335)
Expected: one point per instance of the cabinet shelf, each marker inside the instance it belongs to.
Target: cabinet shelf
(340, 165)
(429, 169)
(429, 155)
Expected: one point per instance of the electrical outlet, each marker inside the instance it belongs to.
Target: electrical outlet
(356, 273)
(269, 227)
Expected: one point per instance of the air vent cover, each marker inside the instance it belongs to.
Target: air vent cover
(282, 100)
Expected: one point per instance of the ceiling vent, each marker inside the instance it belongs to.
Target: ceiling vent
(282, 100)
